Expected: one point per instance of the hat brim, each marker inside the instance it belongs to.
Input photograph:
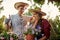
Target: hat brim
(37, 12)
(19, 4)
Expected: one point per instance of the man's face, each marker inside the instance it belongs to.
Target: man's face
(21, 9)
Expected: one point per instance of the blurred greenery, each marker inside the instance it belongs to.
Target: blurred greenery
(1, 8)
(28, 13)
(1, 1)
(57, 2)
(29, 31)
(7, 36)
(1, 24)
(55, 28)
(41, 2)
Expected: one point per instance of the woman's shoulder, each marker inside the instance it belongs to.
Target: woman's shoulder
(44, 19)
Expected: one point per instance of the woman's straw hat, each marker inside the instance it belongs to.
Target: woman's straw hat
(38, 11)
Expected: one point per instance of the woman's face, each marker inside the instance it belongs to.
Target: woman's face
(35, 15)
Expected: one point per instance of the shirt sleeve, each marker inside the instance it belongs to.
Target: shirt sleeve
(46, 28)
(7, 21)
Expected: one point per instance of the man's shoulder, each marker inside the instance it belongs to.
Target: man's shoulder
(13, 15)
(26, 18)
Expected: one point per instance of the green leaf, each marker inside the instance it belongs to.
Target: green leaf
(6, 36)
(39, 1)
(14, 36)
(29, 31)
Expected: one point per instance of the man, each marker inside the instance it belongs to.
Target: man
(18, 21)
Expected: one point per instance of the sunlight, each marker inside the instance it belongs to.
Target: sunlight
(9, 7)
(51, 10)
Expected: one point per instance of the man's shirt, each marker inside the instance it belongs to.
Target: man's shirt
(17, 24)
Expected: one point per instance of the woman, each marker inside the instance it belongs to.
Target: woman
(41, 24)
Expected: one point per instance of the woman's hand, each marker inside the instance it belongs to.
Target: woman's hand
(43, 38)
(35, 23)
(32, 19)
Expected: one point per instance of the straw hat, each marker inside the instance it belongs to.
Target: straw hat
(38, 11)
(20, 4)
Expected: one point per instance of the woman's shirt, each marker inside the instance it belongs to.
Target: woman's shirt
(40, 32)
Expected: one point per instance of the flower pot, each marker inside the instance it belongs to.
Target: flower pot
(30, 37)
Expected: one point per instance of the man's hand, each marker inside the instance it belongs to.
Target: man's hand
(7, 27)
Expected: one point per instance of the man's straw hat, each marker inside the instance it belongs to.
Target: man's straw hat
(20, 4)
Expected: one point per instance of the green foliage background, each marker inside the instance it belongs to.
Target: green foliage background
(1, 24)
(1, 8)
(55, 28)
